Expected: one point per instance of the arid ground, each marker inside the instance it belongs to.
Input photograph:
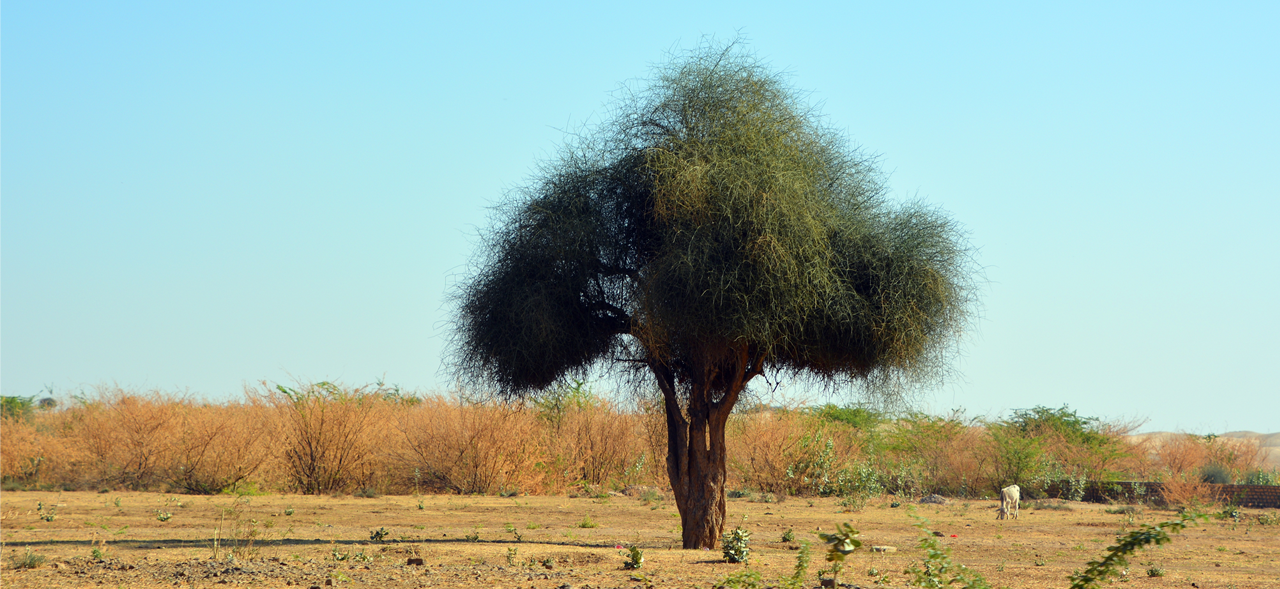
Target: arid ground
(117, 539)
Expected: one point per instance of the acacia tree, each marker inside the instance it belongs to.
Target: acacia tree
(714, 229)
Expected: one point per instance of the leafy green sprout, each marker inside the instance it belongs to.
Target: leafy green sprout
(635, 558)
(840, 545)
(735, 545)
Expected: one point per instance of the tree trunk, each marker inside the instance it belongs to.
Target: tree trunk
(696, 453)
(696, 458)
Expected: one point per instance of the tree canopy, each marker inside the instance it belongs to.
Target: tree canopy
(713, 229)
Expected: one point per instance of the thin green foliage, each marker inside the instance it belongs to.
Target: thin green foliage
(1118, 555)
(801, 571)
(936, 570)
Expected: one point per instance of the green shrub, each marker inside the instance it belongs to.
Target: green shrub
(29, 560)
(1262, 477)
(635, 558)
(1215, 474)
(735, 545)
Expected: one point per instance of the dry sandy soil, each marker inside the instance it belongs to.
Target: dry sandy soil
(547, 542)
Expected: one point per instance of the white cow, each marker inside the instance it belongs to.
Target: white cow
(1009, 498)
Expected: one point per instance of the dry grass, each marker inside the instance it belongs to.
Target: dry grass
(324, 438)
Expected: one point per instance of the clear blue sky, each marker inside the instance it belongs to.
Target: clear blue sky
(195, 197)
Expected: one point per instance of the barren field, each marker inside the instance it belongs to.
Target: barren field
(118, 540)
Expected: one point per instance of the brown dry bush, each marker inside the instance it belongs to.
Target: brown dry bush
(218, 447)
(596, 443)
(453, 446)
(1189, 492)
(1238, 456)
(35, 453)
(126, 435)
(1182, 456)
(652, 420)
(330, 435)
(766, 445)
(946, 455)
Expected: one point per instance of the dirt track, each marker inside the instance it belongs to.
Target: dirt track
(545, 542)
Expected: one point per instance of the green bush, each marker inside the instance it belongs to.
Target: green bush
(1262, 477)
(1215, 474)
(735, 545)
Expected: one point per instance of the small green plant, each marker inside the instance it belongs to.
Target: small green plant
(650, 495)
(474, 536)
(587, 522)
(338, 554)
(1155, 571)
(789, 535)
(163, 516)
(747, 579)
(1269, 519)
(532, 526)
(28, 560)
(340, 577)
(288, 510)
(97, 553)
(511, 529)
(801, 571)
(1117, 556)
(840, 545)
(421, 507)
(378, 535)
(116, 501)
(635, 558)
(513, 555)
(735, 545)
(937, 570)
(368, 493)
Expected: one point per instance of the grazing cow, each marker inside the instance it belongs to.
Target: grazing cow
(1009, 498)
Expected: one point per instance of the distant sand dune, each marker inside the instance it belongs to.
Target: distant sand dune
(1269, 443)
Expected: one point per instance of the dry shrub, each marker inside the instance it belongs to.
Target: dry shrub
(1237, 456)
(652, 418)
(594, 444)
(1137, 462)
(1182, 456)
(30, 453)
(950, 455)
(1094, 458)
(329, 434)
(126, 435)
(1189, 492)
(457, 447)
(220, 446)
(763, 446)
